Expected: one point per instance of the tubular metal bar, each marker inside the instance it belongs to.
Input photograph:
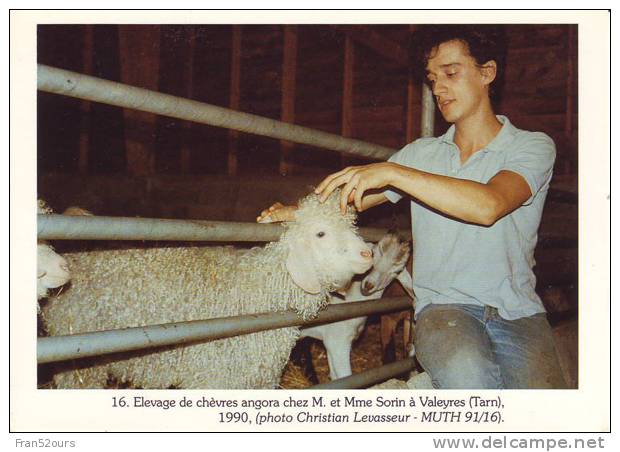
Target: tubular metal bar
(68, 227)
(59, 348)
(369, 377)
(428, 112)
(73, 84)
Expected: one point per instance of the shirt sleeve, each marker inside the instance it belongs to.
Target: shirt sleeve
(403, 157)
(533, 160)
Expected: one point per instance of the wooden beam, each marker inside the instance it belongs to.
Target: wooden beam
(139, 48)
(235, 96)
(570, 84)
(189, 85)
(377, 42)
(289, 73)
(347, 92)
(410, 109)
(87, 68)
(410, 100)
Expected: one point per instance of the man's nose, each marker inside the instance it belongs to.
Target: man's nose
(438, 88)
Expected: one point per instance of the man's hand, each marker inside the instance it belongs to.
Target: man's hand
(356, 180)
(278, 212)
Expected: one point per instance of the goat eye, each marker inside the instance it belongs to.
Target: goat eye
(320, 234)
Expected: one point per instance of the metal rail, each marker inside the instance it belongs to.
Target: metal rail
(369, 377)
(85, 87)
(59, 348)
(68, 227)
(73, 84)
(427, 120)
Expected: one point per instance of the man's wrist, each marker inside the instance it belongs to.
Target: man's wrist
(396, 176)
(404, 178)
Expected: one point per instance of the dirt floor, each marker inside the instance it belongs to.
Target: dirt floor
(365, 355)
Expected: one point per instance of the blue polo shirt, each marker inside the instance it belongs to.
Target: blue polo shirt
(456, 262)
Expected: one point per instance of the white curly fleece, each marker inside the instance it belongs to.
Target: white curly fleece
(134, 287)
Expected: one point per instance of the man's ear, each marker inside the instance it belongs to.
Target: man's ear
(489, 71)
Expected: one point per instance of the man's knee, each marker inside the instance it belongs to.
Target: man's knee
(452, 346)
(460, 367)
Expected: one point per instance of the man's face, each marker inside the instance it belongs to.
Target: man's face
(457, 81)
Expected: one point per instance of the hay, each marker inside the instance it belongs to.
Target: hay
(391, 384)
(294, 378)
(365, 355)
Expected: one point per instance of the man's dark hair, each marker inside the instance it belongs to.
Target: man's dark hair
(484, 42)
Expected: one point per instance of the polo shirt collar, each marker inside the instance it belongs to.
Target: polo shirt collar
(505, 135)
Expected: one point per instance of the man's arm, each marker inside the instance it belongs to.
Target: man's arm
(466, 200)
(278, 212)
(369, 201)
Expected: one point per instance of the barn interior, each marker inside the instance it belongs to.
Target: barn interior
(356, 81)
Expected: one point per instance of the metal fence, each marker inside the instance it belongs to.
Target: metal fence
(61, 227)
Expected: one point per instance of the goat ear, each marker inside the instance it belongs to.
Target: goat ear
(403, 251)
(300, 266)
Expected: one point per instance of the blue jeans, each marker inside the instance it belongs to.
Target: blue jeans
(465, 346)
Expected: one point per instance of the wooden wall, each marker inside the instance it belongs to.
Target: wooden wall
(540, 89)
(349, 80)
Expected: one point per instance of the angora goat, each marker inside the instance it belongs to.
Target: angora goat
(318, 253)
(389, 259)
(52, 268)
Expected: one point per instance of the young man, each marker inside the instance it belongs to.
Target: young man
(477, 194)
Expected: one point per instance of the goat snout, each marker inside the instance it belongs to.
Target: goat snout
(366, 254)
(367, 288)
